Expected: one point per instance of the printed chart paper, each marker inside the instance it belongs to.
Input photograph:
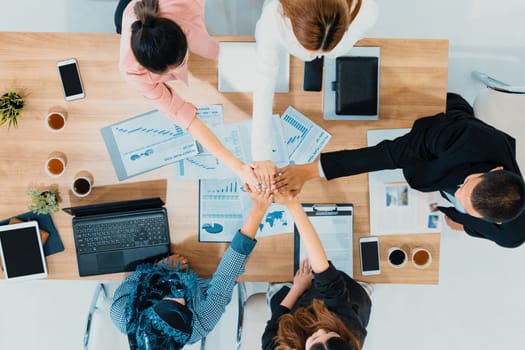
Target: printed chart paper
(303, 138)
(223, 207)
(223, 203)
(146, 142)
(395, 208)
(236, 137)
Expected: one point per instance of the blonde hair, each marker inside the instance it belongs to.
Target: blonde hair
(295, 329)
(320, 24)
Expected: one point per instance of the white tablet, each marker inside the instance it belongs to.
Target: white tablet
(21, 251)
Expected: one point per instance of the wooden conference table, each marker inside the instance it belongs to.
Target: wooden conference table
(413, 84)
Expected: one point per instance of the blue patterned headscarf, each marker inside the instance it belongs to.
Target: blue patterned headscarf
(145, 327)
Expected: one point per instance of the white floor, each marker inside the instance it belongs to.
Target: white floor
(478, 303)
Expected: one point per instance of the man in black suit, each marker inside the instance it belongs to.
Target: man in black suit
(471, 163)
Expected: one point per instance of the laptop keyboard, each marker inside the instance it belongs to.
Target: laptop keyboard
(128, 232)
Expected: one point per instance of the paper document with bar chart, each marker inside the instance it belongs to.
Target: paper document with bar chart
(224, 203)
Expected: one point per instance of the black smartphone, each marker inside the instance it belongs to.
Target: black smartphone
(313, 75)
(70, 79)
(369, 254)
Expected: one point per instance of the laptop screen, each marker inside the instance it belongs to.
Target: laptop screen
(115, 207)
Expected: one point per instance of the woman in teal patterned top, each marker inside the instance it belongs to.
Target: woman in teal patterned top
(166, 305)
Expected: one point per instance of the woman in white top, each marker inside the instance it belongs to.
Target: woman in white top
(306, 29)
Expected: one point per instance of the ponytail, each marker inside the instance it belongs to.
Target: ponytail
(146, 10)
(158, 43)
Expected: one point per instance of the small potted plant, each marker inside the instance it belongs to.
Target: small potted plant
(44, 201)
(11, 105)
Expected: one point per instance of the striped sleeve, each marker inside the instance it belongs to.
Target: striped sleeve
(209, 311)
(120, 299)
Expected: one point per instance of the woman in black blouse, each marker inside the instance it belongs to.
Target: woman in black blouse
(330, 313)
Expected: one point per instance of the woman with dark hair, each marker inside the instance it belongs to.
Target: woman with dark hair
(306, 29)
(329, 314)
(166, 305)
(157, 36)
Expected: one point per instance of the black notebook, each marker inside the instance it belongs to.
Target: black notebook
(356, 85)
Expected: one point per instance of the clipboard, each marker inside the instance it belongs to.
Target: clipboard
(334, 225)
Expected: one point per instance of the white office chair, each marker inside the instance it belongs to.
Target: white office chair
(503, 106)
(252, 312)
(100, 332)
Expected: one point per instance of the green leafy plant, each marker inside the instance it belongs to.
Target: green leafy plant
(43, 201)
(11, 105)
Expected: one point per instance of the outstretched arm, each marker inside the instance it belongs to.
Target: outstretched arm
(209, 311)
(210, 142)
(261, 201)
(290, 179)
(314, 247)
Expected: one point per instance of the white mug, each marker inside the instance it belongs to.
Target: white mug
(55, 164)
(56, 121)
(421, 258)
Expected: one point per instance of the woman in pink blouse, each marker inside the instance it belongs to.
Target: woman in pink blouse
(157, 36)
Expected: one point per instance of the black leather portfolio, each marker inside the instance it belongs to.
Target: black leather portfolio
(356, 85)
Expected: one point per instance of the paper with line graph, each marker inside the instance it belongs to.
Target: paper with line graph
(303, 138)
(236, 137)
(146, 142)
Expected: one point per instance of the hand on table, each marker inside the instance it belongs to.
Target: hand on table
(302, 281)
(265, 171)
(174, 260)
(453, 225)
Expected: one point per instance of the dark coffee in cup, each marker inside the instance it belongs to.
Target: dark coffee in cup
(81, 186)
(397, 257)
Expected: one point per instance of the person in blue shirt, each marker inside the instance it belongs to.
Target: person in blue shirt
(166, 305)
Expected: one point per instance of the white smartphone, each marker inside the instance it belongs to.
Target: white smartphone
(369, 254)
(70, 79)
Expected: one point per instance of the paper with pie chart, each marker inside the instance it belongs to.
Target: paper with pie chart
(223, 207)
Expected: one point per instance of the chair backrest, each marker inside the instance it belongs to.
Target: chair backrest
(101, 333)
(506, 112)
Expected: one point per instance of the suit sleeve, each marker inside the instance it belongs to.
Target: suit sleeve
(501, 234)
(417, 145)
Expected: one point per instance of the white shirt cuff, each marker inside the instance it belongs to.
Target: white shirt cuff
(320, 168)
